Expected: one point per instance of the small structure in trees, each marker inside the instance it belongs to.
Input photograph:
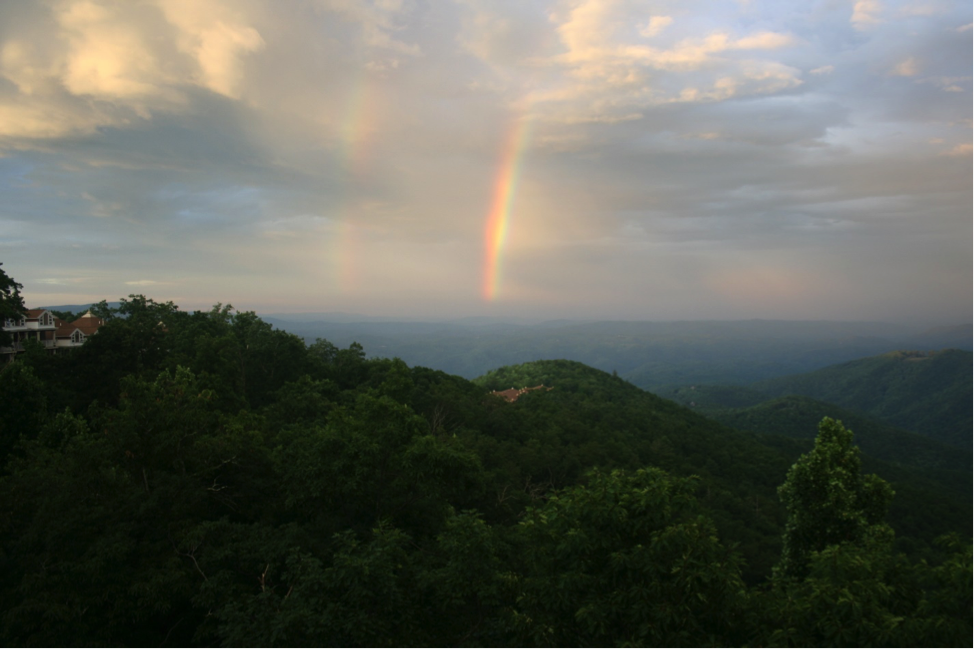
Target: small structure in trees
(512, 394)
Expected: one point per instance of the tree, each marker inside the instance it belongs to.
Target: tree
(828, 500)
(625, 560)
(23, 402)
(11, 303)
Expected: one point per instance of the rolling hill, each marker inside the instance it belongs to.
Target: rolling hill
(925, 392)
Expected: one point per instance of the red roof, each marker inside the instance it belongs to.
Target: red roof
(87, 324)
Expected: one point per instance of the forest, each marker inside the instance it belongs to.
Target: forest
(198, 479)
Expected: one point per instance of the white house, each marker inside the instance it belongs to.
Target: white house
(51, 332)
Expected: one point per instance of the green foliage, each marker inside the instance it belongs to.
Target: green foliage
(944, 615)
(854, 594)
(360, 596)
(23, 404)
(11, 303)
(374, 461)
(797, 416)
(927, 393)
(829, 501)
(208, 480)
(863, 594)
(625, 560)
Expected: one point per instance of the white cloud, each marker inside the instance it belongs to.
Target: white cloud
(906, 68)
(217, 37)
(655, 25)
(108, 56)
(865, 13)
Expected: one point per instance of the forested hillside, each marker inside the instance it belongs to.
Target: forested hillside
(203, 478)
(929, 393)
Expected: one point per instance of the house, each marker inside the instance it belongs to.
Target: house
(74, 334)
(512, 394)
(51, 332)
(36, 324)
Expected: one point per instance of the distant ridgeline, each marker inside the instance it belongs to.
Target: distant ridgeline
(928, 393)
(651, 355)
(202, 479)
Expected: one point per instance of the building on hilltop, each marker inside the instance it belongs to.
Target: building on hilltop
(512, 394)
(51, 332)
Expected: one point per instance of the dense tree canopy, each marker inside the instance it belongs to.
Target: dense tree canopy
(202, 478)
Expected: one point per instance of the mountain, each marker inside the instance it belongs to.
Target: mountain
(76, 308)
(925, 392)
(797, 416)
(742, 464)
(649, 354)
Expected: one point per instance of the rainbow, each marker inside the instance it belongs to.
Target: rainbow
(357, 131)
(358, 126)
(499, 216)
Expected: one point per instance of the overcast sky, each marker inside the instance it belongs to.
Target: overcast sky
(591, 158)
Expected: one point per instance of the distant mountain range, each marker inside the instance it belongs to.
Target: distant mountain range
(649, 354)
(925, 393)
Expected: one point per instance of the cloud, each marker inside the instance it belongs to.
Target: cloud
(217, 37)
(655, 25)
(62, 281)
(865, 13)
(144, 282)
(906, 68)
(961, 150)
(610, 76)
(378, 21)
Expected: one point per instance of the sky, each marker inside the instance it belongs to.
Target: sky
(601, 159)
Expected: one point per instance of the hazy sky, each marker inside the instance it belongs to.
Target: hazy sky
(589, 158)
